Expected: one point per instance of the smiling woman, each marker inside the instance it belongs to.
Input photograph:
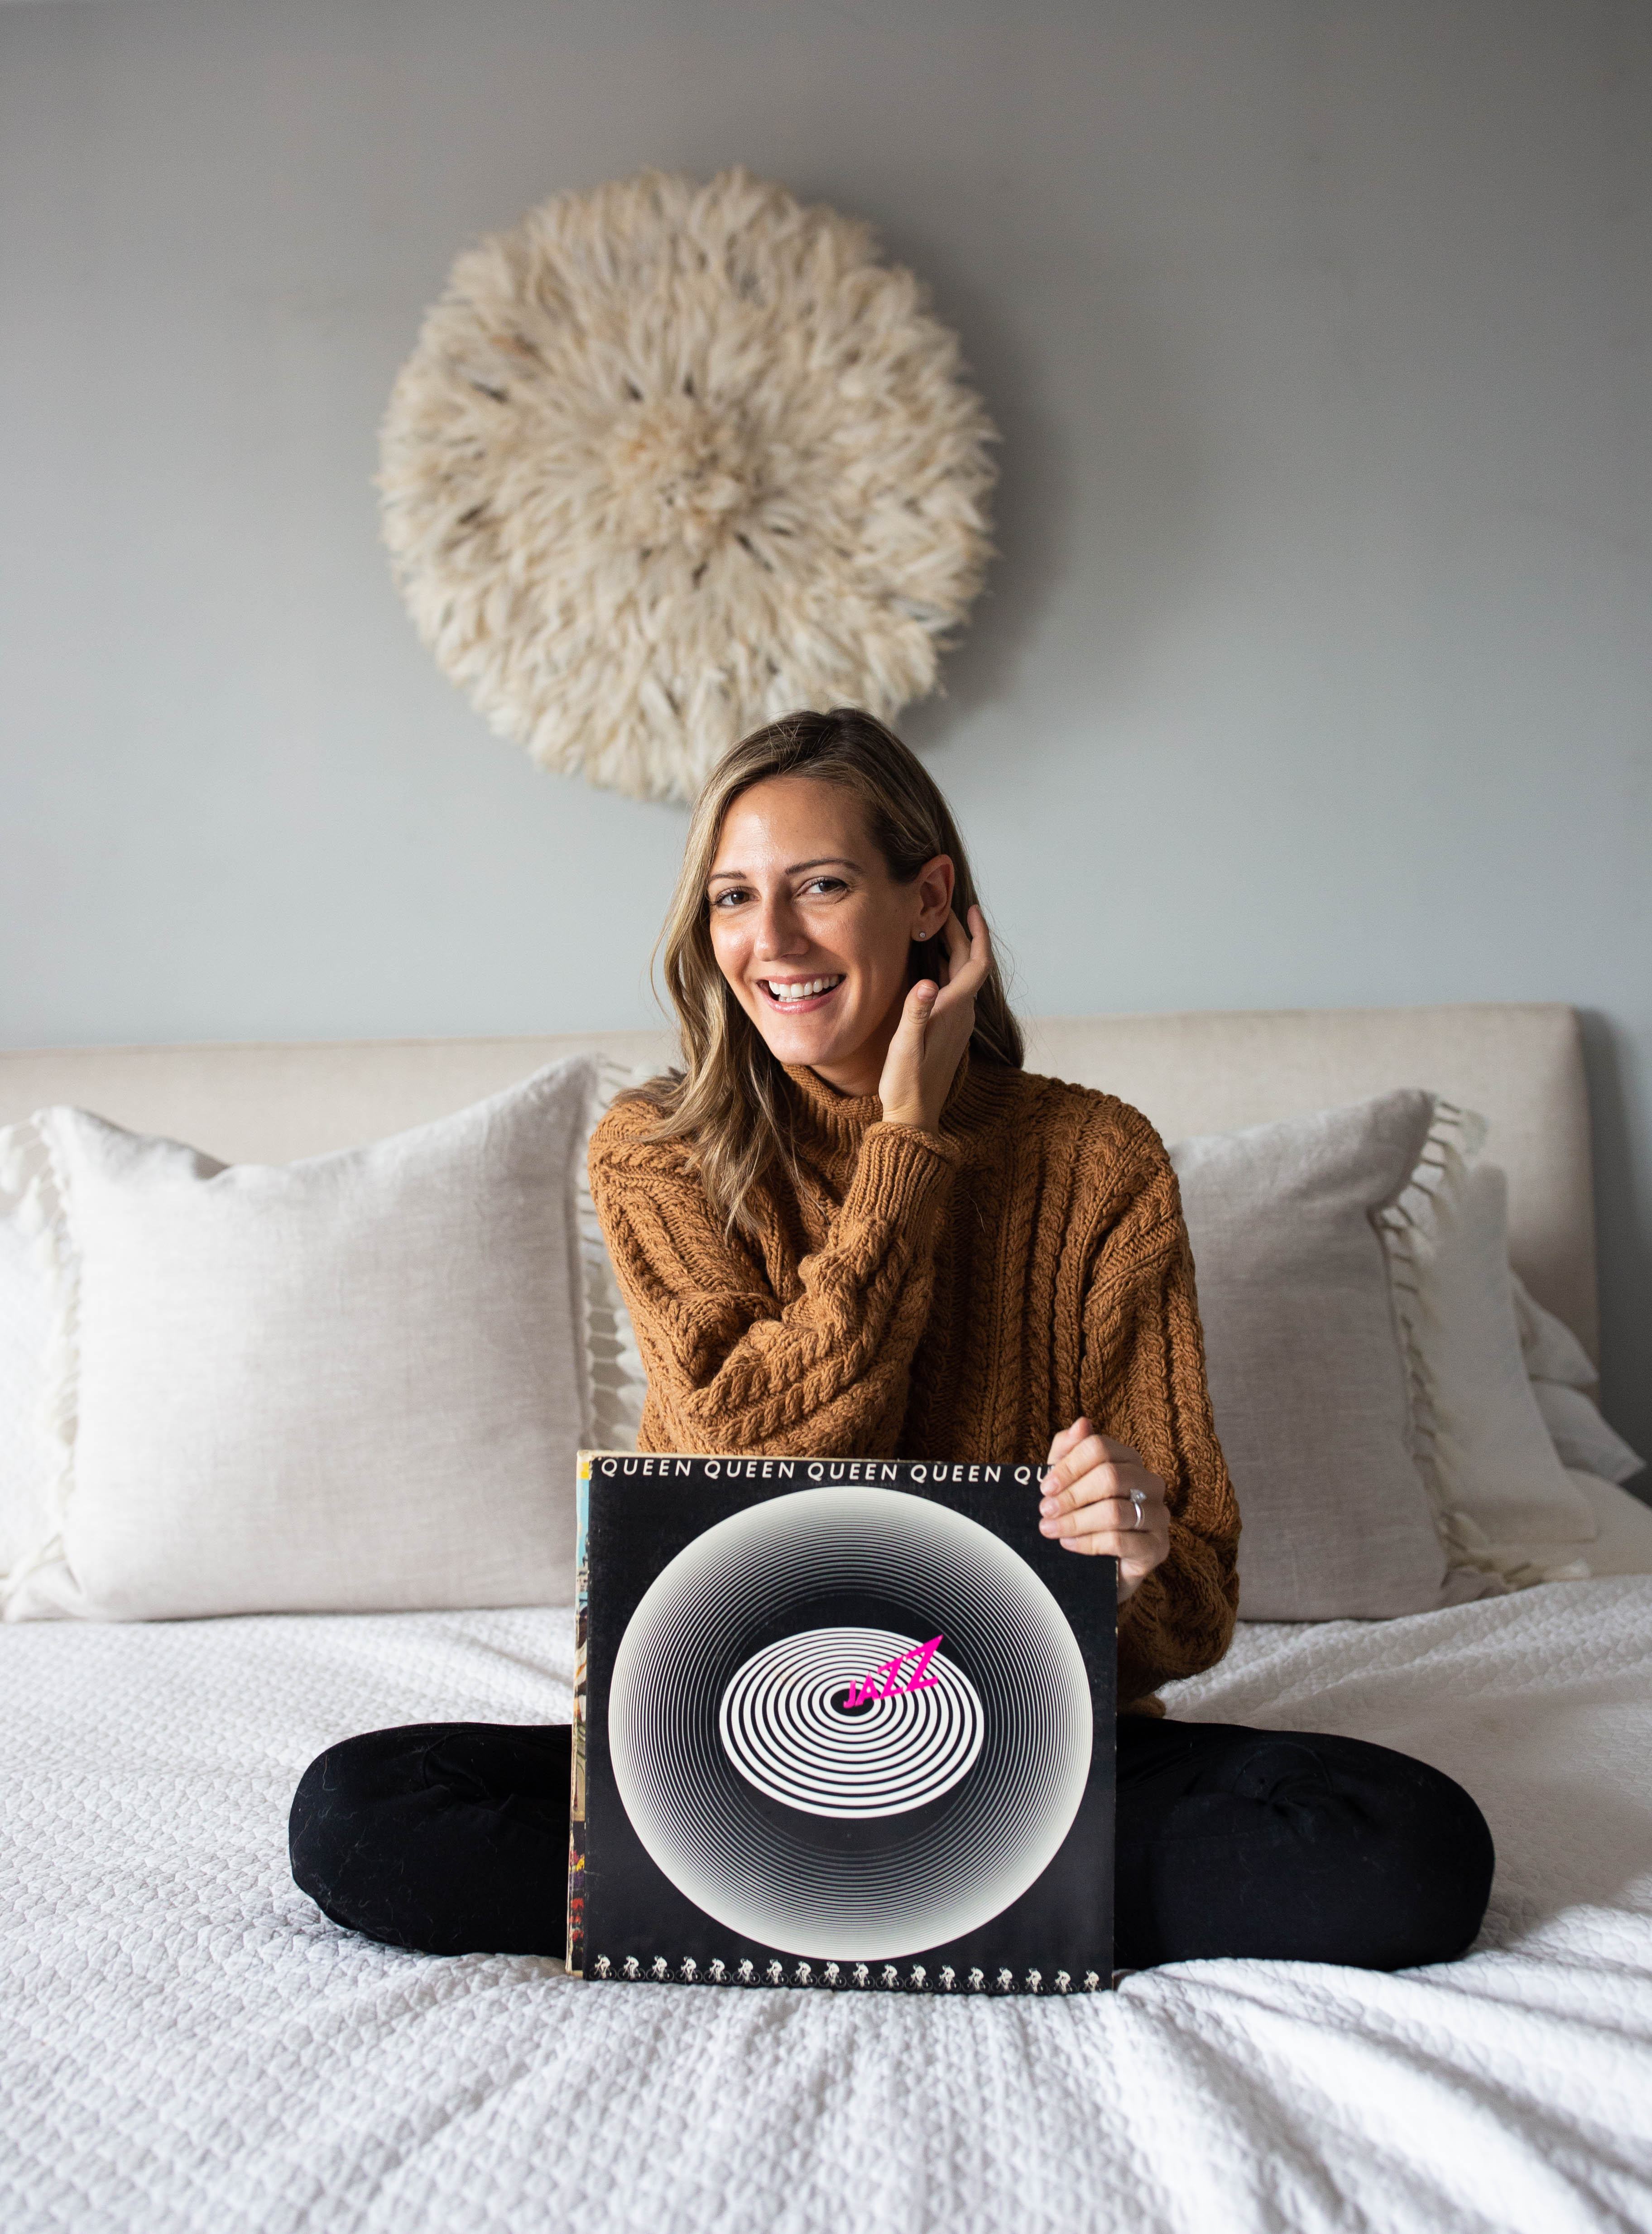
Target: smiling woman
(852, 1226)
(813, 948)
(853, 1128)
(820, 923)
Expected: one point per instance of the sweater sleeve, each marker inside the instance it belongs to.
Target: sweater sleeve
(730, 1367)
(1142, 1379)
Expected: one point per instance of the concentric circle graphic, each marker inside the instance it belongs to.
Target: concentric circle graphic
(786, 1724)
(849, 1834)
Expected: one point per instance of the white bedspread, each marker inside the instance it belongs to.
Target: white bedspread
(186, 2044)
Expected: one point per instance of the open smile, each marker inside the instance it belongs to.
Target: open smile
(794, 994)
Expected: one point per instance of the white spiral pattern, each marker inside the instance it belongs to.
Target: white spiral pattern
(784, 1726)
(842, 1888)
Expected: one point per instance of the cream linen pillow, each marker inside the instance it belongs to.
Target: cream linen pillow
(26, 1330)
(1504, 1501)
(1562, 1375)
(1584, 1442)
(350, 1384)
(1623, 1543)
(1308, 1378)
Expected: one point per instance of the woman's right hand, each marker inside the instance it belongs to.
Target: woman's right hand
(934, 1030)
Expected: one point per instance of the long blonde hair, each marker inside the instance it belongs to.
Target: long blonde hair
(728, 1101)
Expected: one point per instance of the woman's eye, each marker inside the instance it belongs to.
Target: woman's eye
(729, 896)
(826, 885)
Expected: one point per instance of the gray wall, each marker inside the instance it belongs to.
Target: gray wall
(1317, 667)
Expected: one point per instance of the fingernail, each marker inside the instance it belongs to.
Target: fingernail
(1048, 1504)
(1046, 1528)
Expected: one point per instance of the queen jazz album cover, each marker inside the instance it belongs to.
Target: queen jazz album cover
(839, 1722)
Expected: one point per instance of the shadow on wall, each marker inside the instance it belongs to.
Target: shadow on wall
(1623, 1242)
(1093, 430)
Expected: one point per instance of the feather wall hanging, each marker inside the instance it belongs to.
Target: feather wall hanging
(671, 460)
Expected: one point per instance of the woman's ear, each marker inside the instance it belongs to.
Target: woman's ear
(934, 893)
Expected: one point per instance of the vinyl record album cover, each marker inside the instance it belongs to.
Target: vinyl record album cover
(841, 1722)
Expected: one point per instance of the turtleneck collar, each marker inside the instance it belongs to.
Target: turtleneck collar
(842, 1118)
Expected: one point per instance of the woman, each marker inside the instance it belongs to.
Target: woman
(853, 1225)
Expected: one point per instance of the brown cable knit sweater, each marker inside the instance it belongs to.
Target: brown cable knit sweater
(962, 1296)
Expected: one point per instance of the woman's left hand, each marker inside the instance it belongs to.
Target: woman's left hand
(1097, 1497)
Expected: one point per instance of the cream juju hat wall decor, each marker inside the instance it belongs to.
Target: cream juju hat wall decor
(671, 460)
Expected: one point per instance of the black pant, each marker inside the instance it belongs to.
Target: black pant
(451, 1838)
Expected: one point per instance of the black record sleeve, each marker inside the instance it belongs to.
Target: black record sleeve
(839, 1722)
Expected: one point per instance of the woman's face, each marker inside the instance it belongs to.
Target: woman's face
(812, 932)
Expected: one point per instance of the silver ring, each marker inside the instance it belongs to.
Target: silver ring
(1139, 1501)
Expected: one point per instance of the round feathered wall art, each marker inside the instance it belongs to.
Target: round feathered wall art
(671, 460)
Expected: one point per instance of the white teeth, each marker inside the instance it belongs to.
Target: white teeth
(805, 992)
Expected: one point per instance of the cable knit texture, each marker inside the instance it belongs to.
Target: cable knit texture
(964, 1295)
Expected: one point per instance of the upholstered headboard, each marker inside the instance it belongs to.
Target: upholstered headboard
(1520, 1066)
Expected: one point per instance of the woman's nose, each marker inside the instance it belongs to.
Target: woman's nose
(779, 932)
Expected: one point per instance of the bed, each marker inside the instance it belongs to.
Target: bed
(188, 2044)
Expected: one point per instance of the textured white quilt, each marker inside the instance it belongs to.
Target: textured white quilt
(184, 2043)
